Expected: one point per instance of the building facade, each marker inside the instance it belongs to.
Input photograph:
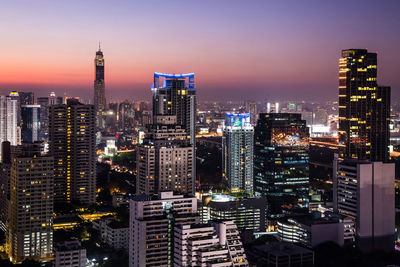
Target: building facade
(248, 213)
(281, 160)
(364, 107)
(151, 226)
(237, 152)
(72, 144)
(365, 192)
(69, 254)
(214, 244)
(165, 159)
(30, 230)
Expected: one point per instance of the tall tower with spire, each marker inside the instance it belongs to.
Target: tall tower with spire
(99, 87)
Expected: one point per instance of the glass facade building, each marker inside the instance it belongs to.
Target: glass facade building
(281, 170)
(30, 123)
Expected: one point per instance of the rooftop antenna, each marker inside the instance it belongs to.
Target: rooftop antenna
(99, 46)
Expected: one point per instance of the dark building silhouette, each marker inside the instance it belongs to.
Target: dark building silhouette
(30, 123)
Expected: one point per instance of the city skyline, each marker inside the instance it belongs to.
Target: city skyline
(270, 49)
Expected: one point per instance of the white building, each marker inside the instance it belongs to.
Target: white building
(151, 223)
(215, 244)
(9, 119)
(69, 254)
(365, 191)
(238, 152)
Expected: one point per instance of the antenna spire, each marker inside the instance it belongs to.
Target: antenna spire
(99, 46)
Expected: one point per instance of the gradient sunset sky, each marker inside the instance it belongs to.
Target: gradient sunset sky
(239, 49)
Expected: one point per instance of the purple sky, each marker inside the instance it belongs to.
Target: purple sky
(247, 49)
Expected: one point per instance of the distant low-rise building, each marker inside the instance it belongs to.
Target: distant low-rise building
(248, 213)
(214, 244)
(311, 230)
(69, 254)
(280, 254)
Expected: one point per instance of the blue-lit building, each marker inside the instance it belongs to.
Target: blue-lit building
(281, 171)
(175, 94)
(30, 123)
(237, 152)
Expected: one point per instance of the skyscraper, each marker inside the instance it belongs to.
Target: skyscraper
(175, 94)
(364, 191)
(165, 159)
(30, 123)
(30, 230)
(151, 227)
(72, 144)
(237, 152)
(99, 88)
(364, 107)
(10, 118)
(281, 171)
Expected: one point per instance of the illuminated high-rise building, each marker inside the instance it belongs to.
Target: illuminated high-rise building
(281, 171)
(364, 107)
(99, 88)
(10, 119)
(30, 229)
(237, 152)
(175, 94)
(73, 146)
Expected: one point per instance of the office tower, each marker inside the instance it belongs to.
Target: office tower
(175, 94)
(248, 213)
(237, 152)
(364, 107)
(72, 144)
(320, 116)
(99, 88)
(281, 171)
(165, 159)
(364, 191)
(69, 253)
(214, 244)
(26, 98)
(30, 123)
(151, 226)
(252, 109)
(30, 230)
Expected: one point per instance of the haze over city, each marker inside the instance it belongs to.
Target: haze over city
(270, 49)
